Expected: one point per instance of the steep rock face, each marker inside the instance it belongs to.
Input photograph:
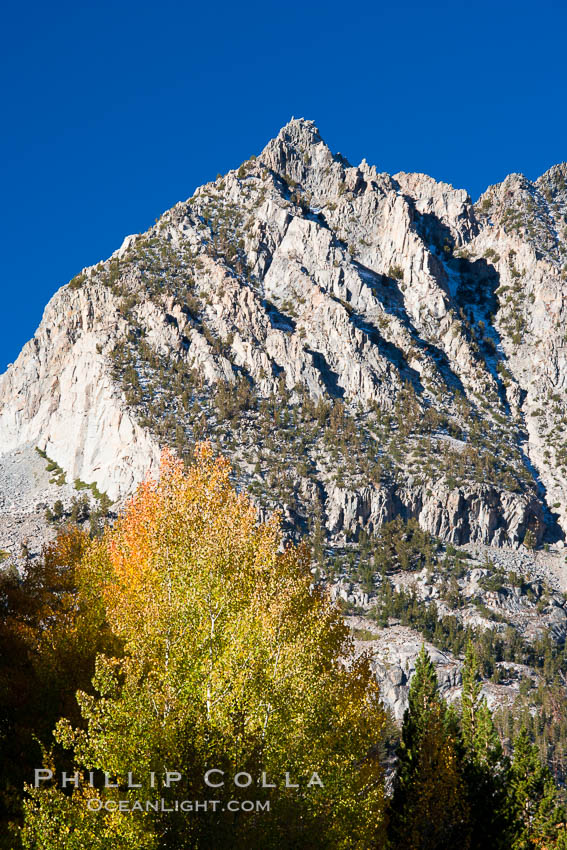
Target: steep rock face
(58, 396)
(363, 346)
(524, 238)
(394, 653)
(480, 514)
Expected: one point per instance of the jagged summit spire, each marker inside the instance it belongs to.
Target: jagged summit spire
(300, 131)
(298, 151)
(556, 172)
(296, 137)
(553, 183)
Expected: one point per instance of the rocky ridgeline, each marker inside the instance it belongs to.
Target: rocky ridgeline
(363, 346)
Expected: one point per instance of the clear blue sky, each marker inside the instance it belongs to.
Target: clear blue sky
(112, 112)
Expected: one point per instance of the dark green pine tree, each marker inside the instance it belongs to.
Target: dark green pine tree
(539, 821)
(485, 767)
(428, 810)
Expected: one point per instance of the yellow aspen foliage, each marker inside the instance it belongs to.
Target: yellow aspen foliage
(49, 637)
(230, 660)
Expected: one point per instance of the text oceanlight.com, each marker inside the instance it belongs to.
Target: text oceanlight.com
(95, 805)
(97, 800)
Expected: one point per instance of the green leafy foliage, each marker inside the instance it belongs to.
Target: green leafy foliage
(230, 659)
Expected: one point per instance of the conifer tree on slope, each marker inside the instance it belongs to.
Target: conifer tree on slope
(532, 801)
(428, 809)
(485, 767)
